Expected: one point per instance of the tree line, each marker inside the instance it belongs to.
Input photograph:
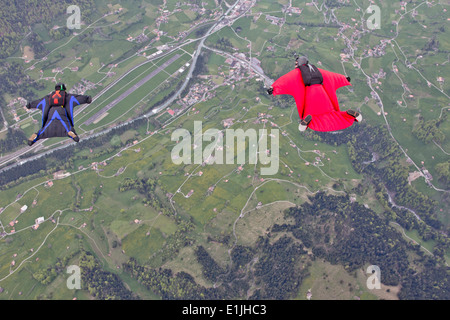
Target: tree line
(377, 157)
(354, 236)
(276, 269)
(15, 82)
(428, 131)
(14, 138)
(15, 22)
(331, 227)
(63, 158)
(101, 284)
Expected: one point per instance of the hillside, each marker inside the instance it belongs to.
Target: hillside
(143, 224)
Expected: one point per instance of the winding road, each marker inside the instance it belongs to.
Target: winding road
(218, 25)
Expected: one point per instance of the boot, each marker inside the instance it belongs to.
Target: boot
(304, 123)
(74, 136)
(32, 139)
(355, 114)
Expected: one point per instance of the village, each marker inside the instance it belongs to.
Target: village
(236, 69)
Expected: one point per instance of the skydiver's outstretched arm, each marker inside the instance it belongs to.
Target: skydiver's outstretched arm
(38, 104)
(334, 81)
(80, 99)
(73, 100)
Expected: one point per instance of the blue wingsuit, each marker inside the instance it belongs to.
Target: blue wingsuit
(57, 114)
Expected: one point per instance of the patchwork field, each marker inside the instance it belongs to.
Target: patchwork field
(121, 197)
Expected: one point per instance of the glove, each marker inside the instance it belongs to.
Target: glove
(348, 79)
(270, 90)
(89, 99)
(28, 105)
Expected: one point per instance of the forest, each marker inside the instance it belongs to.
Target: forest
(428, 131)
(15, 19)
(352, 235)
(275, 269)
(376, 156)
(443, 170)
(335, 229)
(14, 138)
(101, 284)
(14, 81)
(331, 227)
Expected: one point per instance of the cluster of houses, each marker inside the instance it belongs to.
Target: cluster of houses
(238, 70)
(82, 86)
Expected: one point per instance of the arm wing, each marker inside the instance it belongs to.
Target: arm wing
(73, 100)
(40, 104)
(331, 82)
(292, 84)
(76, 99)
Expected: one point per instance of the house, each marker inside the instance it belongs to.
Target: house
(39, 220)
(309, 295)
(60, 174)
(23, 209)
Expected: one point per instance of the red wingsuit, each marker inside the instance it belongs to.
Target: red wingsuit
(318, 100)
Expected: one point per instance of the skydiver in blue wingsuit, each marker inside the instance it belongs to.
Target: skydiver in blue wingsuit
(57, 114)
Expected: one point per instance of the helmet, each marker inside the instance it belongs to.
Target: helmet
(60, 87)
(302, 60)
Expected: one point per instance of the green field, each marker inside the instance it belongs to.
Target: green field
(219, 206)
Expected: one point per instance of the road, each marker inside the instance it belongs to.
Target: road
(369, 81)
(215, 27)
(218, 25)
(130, 90)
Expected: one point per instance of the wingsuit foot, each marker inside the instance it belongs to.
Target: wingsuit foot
(32, 139)
(304, 123)
(270, 91)
(355, 114)
(74, 136)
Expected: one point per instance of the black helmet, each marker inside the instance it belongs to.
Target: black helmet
(60, 87)
(302, 60)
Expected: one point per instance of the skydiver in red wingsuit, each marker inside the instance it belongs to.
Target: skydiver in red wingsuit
(314, 91)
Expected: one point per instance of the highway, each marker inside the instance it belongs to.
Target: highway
(218, 25)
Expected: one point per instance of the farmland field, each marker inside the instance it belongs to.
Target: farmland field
(216, 229)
